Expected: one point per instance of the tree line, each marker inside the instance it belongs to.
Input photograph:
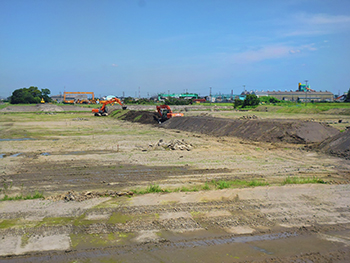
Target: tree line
(30, 95)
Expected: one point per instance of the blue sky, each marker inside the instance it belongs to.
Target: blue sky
(153, 46)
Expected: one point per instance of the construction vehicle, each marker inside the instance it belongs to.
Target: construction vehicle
(103, 111)
(78, 101)
(166, 113)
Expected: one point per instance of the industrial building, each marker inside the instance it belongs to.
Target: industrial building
(178, 95)
(302, 96)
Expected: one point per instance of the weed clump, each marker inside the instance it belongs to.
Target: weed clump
(152, 188)
(299, 180)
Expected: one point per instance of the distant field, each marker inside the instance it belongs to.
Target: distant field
(287, 107)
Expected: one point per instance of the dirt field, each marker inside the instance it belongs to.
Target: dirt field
(89, 167)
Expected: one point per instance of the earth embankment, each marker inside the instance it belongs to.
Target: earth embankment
(338, 145)
(140, 116)
(290, 131)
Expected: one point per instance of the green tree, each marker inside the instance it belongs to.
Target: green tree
(175, 101)
(237, 103)
(29, 95)
(269, 99)
(128, 100)
(347, 99)
(251, 100)
(45, 95)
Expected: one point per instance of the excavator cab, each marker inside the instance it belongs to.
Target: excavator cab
(166, 113)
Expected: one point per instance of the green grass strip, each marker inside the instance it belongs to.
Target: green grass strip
(36, 195)
(299, 180)
(222, 184)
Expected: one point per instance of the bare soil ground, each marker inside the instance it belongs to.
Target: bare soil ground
(101, 158)
(338, 145)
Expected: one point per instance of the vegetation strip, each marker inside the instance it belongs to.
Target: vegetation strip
(36, 195)
(212, 185)
(222, 184)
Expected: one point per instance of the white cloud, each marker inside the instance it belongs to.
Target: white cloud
(325, 19)
(303, 24)
(294, 51)
(271, 52)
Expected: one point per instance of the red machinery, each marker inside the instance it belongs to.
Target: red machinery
(166, 113)
(103, 110)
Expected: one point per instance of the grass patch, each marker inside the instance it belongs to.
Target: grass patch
(206, 186)
(186, 189)
(222, 184)
(152, 188)
(8, 223)
(82, 221)
(238, 183)
(36, 195)
(299, 180)
(97, 240)
(118, 113)
(56, 221)
(137, 118)
(121, 218)
(4, 105)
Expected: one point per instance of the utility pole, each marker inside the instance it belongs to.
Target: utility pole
(306, 92)
(210, 95)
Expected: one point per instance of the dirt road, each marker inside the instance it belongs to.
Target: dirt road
(263, 224)
(84, 155)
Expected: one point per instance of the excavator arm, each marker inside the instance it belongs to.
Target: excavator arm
(103, 110)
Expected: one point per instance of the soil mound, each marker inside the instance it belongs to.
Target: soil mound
(144, 117)
(48, 108)
(338, 145)
(290, 131)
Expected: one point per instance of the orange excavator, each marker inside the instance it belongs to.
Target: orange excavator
(166, 113)
(103, 110)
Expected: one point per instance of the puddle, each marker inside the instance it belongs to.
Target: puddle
(230, 249)
(262, 250)
(2, 155)
(77, 180)
(89, 152)
(45, 154)
(17, 139)
(15, 155)
(76, 153)
(243, 239)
